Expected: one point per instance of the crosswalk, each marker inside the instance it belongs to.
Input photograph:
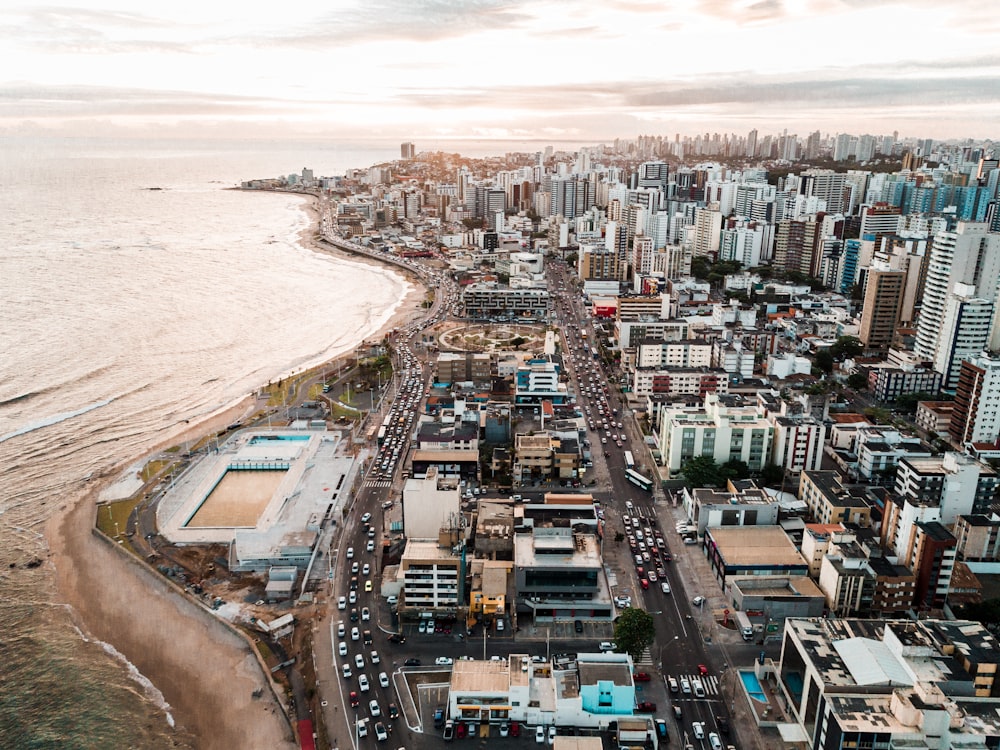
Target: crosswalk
(646, 660)
(709, 682)
(378, 483)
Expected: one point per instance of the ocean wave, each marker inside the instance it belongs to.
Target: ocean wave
(152, 692)
(54, 419)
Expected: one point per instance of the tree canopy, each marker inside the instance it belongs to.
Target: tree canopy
(700, 471)
(634, 631)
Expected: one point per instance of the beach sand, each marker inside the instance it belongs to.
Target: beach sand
(205, 672)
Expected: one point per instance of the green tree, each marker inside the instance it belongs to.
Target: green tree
(858, 381)
(701, 471)
(823, 361)
(634, 631)
(518, 341)
(772, 474)
(847, 346)
(734, 469)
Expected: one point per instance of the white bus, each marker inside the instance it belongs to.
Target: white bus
(629, 461)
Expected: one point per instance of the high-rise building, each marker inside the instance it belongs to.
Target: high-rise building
(975, 417)
(965, 331)
(708, 232)
(826, 185)
(968, 255)
(795, 245)
(880, 311)
(407, 150)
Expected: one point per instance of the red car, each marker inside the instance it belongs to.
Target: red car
(644, 583)
(702, 669)
(641, 677)
(461, 730)
(354, 699)
(515, 729)
(646, 707)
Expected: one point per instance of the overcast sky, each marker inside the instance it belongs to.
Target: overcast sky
(551, 69)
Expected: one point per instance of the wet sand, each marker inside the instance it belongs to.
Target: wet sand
(205, 672)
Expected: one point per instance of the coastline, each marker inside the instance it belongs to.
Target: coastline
(205, 674)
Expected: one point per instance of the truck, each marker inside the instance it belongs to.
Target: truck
(744, 626)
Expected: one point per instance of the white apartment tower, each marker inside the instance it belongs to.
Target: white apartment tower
(968, 255)
(965, 330)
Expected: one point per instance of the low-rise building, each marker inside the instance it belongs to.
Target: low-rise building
(679, 381)
(830, 501)
(752, 551)
(487, 300)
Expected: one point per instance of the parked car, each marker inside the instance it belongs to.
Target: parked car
(411, 662)
(504, 729)
(607, 646)
(515, 729)
(698, 601)
(552, 735)
(461, 730)
(444, 661)
(439, 716)
(641, 677)
(578, 626)
(449, 730)
(645, 707)
(540, 734)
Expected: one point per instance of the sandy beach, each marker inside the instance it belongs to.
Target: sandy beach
(206, 673)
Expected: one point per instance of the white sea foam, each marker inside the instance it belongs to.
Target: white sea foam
(54, 419)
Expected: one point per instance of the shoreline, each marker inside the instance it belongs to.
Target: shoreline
(206, 674)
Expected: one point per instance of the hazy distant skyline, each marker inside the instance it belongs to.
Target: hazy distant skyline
(512, 69)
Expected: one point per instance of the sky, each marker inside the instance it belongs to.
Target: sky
(559, 70)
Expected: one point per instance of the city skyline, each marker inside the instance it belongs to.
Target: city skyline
(495, 69)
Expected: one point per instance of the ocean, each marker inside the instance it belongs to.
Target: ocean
(127, 311)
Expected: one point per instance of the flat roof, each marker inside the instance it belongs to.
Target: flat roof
(755, 545)
(481, 676)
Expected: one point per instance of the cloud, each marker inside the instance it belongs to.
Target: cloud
(409, 20)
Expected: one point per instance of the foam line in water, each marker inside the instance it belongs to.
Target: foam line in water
(54, 419)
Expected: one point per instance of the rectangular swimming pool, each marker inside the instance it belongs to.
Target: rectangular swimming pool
(753, 686)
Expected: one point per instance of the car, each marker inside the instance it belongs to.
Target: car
(368, 586)
(374, 708)
(641, 676)
(698, 728)
(342, 602)
(354, 699)
(366, 569)
(354, 567)
(350, 553)
(383, 679)
(677, 711)
(664, 587)
(552, 735)
(500, 625)
(661, 727)
(370, 547)
(346, 670)
(439, 716)
(359, 661)
(422, 626)
(342, 648)
(396, 638)
(690, 540)
(411, 662)
(698, 601)
(393, 711)
(702, 669)
(362, 727)
(363, 683)
(374, 657)
(607, 646)
(623, 601)
(355, 634)
(366, 518)
(651, 575)
(366, 637)
(380, 734)
(366, 614)
(352, 596)
(645, 707)
(540, 734)
(444, 661)
(391, 601)
(723, 723)
(578, 626)
(672, 684)
(638, 561)
(699, 689)
(504, 729)
(685, 686)
(341, 629)
(515, 729)
(715, 741)
(644, 582)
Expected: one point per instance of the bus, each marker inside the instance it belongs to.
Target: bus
(629, 461)
(639, 480)
(593, 352)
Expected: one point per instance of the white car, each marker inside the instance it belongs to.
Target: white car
(342, 649)
(350, 552)
(375, 659)
(444, 661)
(665, 587)
(341, 630)
(698, 601)
(366, 518)
(380, 733)
(540, 734)
(366, 569)
(342, 603)
(383, 679)
(355, 634)
(699, 729)
(371, 546)
(607, 646)
(363, 683)
(366, 614)
(359, 661)
(373, 707)
(552, 735)
(353, 596)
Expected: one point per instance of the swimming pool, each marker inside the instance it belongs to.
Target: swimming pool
(753, 686)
